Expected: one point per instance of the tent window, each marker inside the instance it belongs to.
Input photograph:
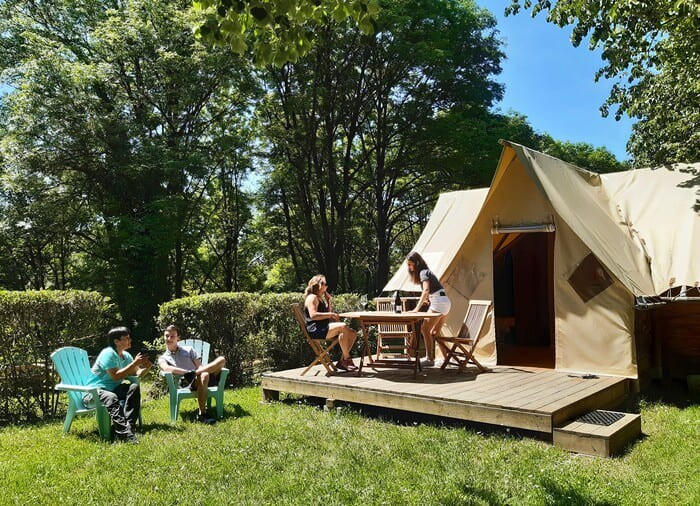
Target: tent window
(590, 278)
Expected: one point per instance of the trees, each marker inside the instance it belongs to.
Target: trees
(653, 49)
(123, 106)
(354, 132)
(277, 31)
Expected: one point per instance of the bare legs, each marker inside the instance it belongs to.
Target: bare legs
(346, 339)
(431, 327)
(204, 373)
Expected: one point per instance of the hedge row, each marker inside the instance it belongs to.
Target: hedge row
(254, 332)
(32, 325)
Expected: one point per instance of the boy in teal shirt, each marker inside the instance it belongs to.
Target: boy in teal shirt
(111, 367)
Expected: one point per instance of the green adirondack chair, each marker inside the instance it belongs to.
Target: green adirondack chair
(177, 393)
(73, 367)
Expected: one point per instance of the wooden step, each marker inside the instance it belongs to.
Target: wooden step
(599, 440)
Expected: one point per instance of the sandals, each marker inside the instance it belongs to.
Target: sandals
(346, 364)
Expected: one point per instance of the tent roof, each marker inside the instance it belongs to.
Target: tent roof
(661, 208)
(448, 226)
(644, 225)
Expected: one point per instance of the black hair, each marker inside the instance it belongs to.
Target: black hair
(117, 333)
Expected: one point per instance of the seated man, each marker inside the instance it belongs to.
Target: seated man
(183, 360)
(111, 367)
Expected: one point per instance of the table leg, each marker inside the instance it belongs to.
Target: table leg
(365, 349)
(416, 347)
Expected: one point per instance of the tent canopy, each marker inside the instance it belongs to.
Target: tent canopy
(643, 225)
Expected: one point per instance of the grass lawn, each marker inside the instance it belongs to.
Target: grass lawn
(292, 452)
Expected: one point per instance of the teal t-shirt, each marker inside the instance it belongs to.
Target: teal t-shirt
(109, 359)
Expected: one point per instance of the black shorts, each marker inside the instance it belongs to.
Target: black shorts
(213, 381)
(319, 333)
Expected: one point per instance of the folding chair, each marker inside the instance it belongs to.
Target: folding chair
(460, 348)
(392, 338)
(321, 347)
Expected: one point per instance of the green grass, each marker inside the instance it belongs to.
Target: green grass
(293, 452)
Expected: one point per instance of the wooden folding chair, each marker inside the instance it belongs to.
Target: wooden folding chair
(392, 338)
(460, 348)
(321, 347)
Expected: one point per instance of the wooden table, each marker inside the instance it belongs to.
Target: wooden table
(410, 319)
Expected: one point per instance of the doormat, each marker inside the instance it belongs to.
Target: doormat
(601, 417)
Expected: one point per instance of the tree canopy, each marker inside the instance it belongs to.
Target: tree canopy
(277, 31)
(652, 48)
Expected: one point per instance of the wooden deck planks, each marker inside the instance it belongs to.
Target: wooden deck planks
(529, 398)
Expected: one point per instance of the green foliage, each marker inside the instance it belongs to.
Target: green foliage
(355, 135)
(277, 31)
(653, 49)
(271, 453)
(582, 155)
(32, 325)
(123, 120)
(252, 331)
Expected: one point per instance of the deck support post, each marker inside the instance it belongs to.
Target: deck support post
(270, 395)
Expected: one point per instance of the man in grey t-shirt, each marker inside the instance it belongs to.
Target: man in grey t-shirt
(184, 361)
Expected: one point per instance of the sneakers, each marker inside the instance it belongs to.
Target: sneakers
(426, 362)
(128, 437)
(205, 419)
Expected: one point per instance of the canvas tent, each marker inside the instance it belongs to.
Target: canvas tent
(566, 255)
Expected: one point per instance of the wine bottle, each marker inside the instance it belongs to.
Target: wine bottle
(397, 303)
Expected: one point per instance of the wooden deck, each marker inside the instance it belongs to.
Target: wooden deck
(521, 397)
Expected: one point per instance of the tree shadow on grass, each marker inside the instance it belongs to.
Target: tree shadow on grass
(554, 493)
(230, 411)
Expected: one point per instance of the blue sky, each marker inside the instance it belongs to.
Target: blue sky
(551, 82)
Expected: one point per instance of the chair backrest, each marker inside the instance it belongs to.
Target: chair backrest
(299, 316)
(73, 367)
(474, 319)
(201, 347)
(387, 304)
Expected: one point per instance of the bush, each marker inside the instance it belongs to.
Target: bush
(32, 325)
(253, 331)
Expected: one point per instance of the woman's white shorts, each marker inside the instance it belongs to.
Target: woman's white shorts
(439, 302)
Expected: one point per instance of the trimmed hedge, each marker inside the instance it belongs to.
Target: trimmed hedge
(32, 325)
(253, 331)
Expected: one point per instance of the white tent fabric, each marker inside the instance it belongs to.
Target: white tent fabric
(661, 208)
(643, 226)
(448, 226)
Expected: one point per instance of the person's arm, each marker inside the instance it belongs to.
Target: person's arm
(423, 296)
(314, 314)
(127, 370)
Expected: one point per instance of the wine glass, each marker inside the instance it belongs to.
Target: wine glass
(362, 302)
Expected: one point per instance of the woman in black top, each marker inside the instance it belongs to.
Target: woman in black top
(434, 292)
(323, 323)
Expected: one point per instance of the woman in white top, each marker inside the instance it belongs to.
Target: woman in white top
(434, 292)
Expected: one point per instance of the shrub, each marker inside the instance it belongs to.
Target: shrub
(253, 331)
(32, 325)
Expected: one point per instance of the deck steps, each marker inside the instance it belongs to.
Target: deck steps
(584, 435)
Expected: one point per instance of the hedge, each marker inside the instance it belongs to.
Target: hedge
(253, 331)
(32, 325)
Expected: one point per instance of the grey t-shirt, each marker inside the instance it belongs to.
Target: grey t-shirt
(427, 275)
(183, 358)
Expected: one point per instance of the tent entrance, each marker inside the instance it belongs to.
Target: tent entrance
(523, 268)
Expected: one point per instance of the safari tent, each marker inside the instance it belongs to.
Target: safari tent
(588, 273)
